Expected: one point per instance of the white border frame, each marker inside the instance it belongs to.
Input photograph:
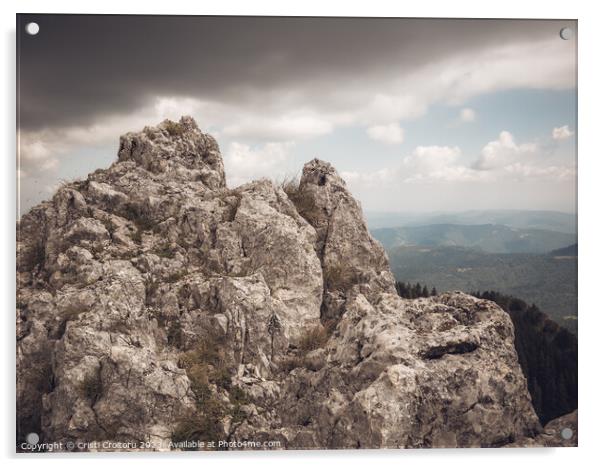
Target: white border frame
(590, 224)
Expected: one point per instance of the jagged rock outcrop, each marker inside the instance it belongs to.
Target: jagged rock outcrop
(157, 305)
(348, 253)
(437, 372)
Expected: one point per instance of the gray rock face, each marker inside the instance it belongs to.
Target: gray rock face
(436, 372)
(155, 305)
(348, 253)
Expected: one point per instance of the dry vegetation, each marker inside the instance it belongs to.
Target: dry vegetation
(338, 277)
(141, 219)
(312, 339)
(207, 365)
(174, 128)
(92, 387)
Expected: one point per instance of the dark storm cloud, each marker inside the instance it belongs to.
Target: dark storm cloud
(81, 67)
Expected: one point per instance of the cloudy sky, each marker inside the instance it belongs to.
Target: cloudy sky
(416, 114)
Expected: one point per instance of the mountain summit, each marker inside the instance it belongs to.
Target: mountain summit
(158, 306)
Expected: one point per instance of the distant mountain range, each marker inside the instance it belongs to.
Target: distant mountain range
(490, 238)
(528, 254)
(520, 219)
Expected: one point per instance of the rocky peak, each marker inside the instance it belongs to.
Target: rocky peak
(156, 304)
(178, 148)
(351, 259)
(321, 173)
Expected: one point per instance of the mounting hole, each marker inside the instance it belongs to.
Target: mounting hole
(32, 28)
(566, 433)
(566, 34)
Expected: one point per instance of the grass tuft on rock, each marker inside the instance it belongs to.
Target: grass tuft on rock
(174, 128)
(208, 367)
(313, 339)
(92, 387)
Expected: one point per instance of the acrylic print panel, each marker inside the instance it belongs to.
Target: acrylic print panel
(295, 233)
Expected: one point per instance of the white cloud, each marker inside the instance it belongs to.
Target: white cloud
(389, 134)
(504, 159)
(38, 153)
(437, 163)
(280, 127)
(562, 133)
(426, 164)
(48, 164)
(371, 179)
(246, 158)
(503, 151)
(508, 66)
(526, 171)
(500, 161)
(244, 162)
(467, 115)
(429, 158)
(35, 149)
(459, 77)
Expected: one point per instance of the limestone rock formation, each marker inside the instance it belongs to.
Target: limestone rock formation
(158, 306)
(435, 372)
(348, 253)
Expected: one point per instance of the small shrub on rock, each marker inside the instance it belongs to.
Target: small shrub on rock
(174, 128)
